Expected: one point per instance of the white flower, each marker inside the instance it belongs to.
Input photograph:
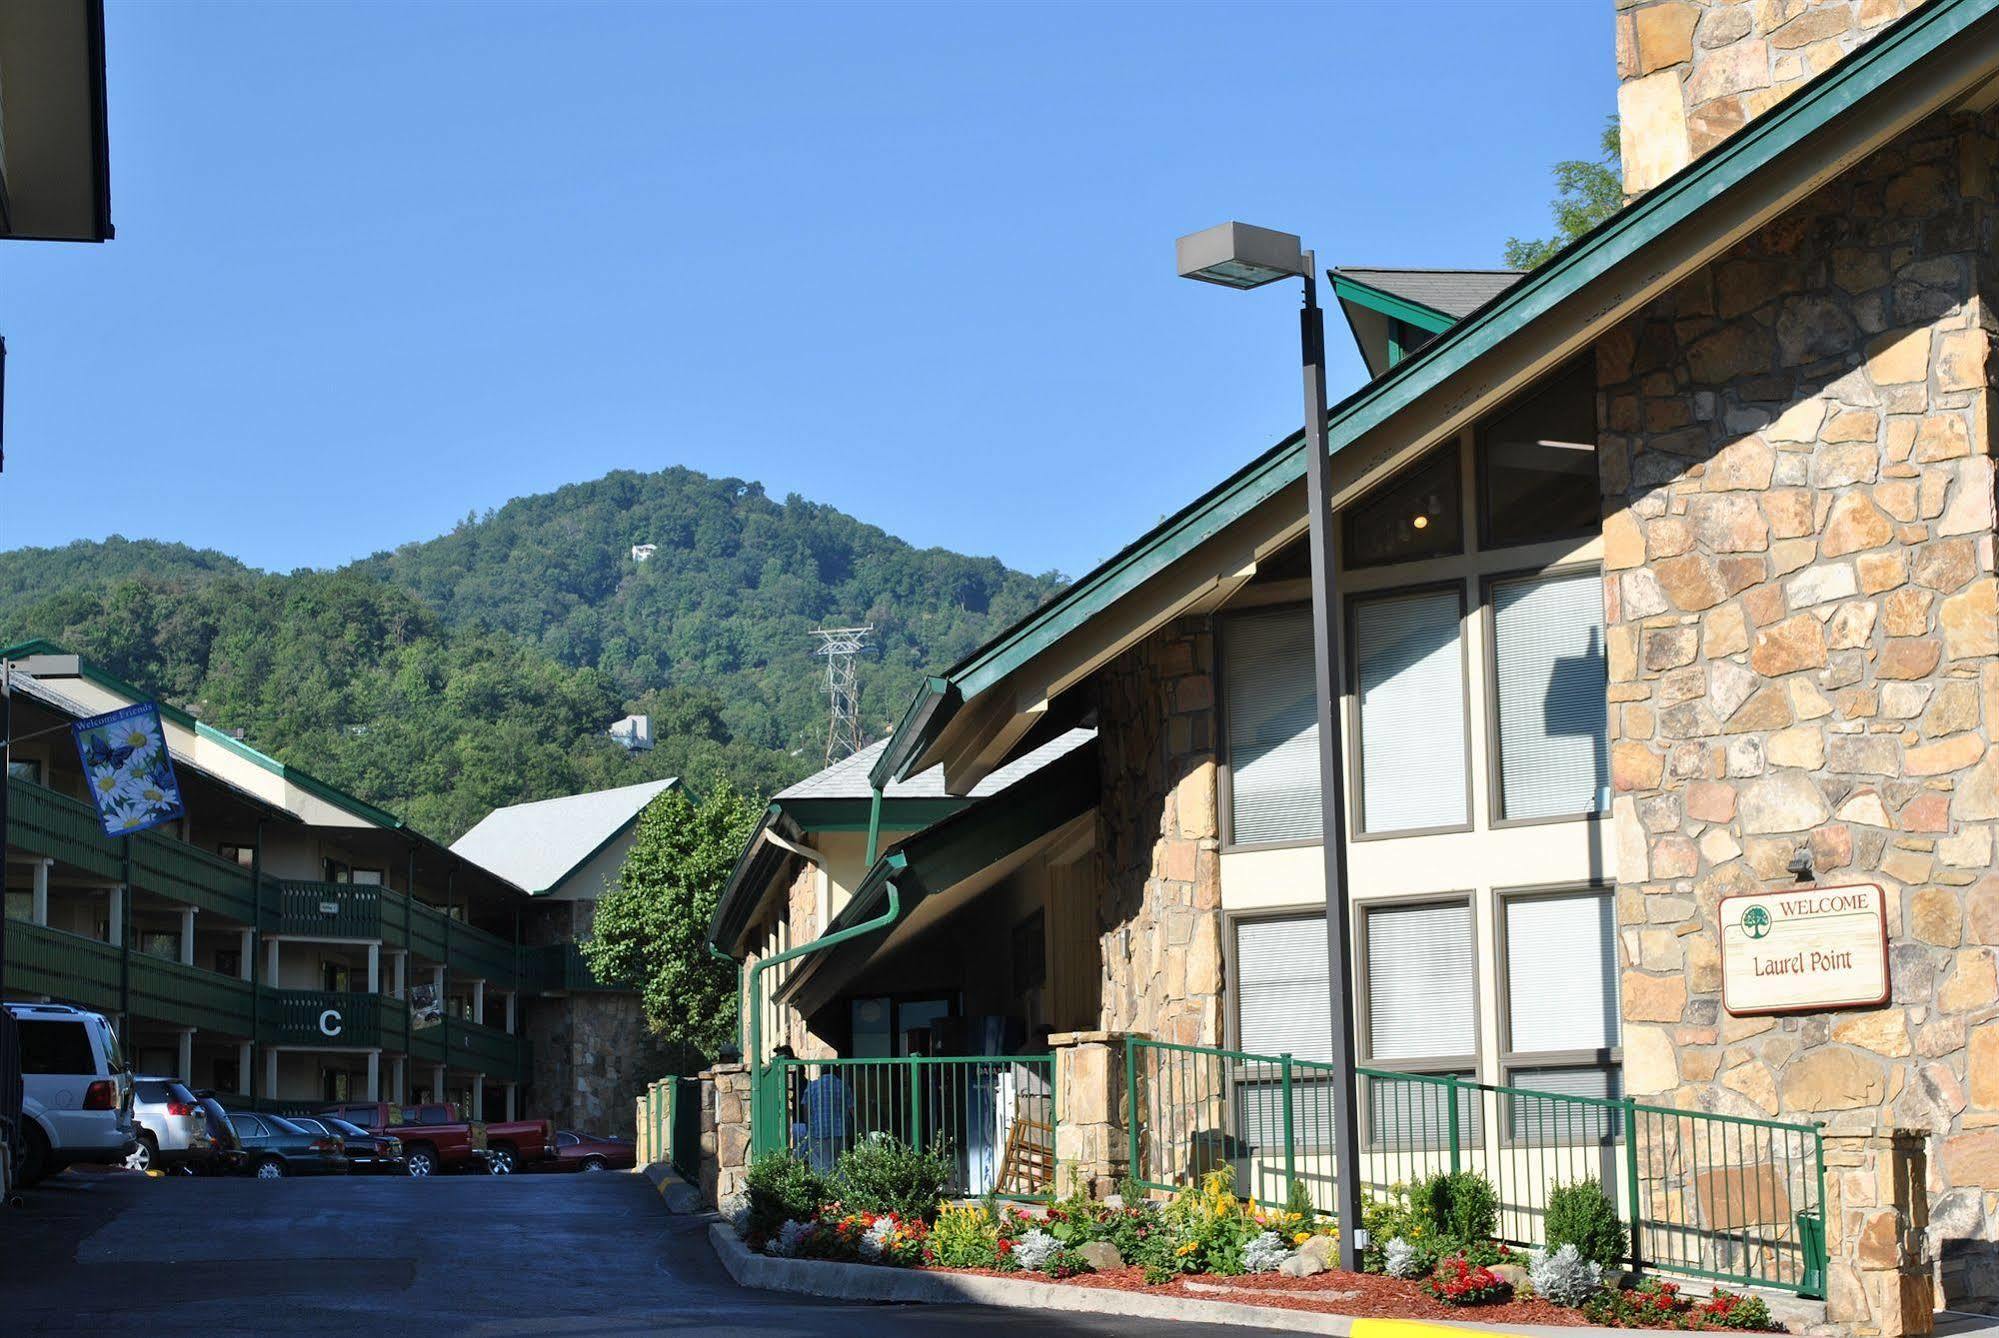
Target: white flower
(1398, 1259)
(789, 1237)
(875, 1243)
(1036, 1250)
(1564, 1277)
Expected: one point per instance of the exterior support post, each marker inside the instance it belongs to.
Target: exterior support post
(114, 914)
(479, 1002)
(1879, 1277)
(374, 971)
(187, 936)
(244, 1058)
(184, 1060)
(478, 1096)
(1092, 1117)
(40, 895)
(437, 1082)
(513, 1101)
(270, 1073)
(374, 1075)
(246, 953)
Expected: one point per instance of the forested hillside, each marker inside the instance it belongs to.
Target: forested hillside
(482, 667)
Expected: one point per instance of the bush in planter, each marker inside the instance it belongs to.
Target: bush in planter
(1462, 1205)
(965, 1236)
(881, 1174)
(1565, 1276)
(1582, 1215)
(781, 1188)
(1397, 1216)
(1457, 1281)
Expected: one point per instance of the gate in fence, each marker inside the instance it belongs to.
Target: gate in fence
(994, 1116)
(1706, 1195)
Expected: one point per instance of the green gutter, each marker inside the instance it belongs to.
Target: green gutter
(936, 702)
(1388, 304)
(1909, 41)
(720, 956)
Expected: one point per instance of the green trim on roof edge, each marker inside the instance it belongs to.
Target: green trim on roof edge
(1388, 304)
(1910, 39)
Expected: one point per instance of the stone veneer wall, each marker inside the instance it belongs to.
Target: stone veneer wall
(1694, 72)
(1803, 644)
(1159, 891)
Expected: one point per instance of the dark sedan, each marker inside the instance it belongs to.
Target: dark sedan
(381, 1154)
(587, 1152)
(274, 1147)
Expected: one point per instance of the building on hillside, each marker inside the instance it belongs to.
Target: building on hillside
(1667, 590)
(284, 943)
(591, 1052)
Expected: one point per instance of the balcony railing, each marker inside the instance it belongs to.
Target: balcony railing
(323, 910)
(186, 873)
(43, 822)
(330, 1018)
(63, 966)
(554, 967)
(188, 996)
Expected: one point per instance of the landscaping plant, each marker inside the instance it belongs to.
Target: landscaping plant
(782, 1188)
(1458, 1281)
(1653, 1304)
(1462, 1205)
(1582, 1215)
(965, 1236)
(1397, 1216)
(1565, 1276)
(883, 1174)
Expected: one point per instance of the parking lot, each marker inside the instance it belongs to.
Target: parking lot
(578, 1254)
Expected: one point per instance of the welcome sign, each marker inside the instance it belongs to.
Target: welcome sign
(1805, 950)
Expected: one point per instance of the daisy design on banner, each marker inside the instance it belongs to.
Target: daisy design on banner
(127, 769)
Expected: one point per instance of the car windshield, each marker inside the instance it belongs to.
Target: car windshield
(179, 1092)
(153, 1092)
(348, 1129)
(307, 1124)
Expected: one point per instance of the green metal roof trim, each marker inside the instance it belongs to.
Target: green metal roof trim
(1388, 304)
(1727, 167)
(912, 732)
(947, 854)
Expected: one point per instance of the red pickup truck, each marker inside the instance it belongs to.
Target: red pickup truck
(436, 1139)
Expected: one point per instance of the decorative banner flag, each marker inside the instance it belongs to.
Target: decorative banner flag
(426, 1006)
(125, 763)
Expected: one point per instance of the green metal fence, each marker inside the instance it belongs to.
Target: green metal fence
(995, 1115)
(1706, 1195)
(669, 1124)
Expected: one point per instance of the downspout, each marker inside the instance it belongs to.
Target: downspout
(882, 921)
(874, 821)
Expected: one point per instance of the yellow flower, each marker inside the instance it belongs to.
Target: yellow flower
(1186, 1249)
(1301, 1238)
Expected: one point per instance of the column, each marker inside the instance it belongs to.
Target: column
(479, 1002)
(1092, 1139)
(374, 1075)
(40, 895)
(437, 982)
(243, 1061)
(270, 1074)
(401, 975)
(513, 1012)
(724, 1155)
(513, 1106)
(399, 1079)
(271, 962)
(187, 936)
(1879, 1276)
(437, 1082)
(186, 1059)
(478, 1096)
(246, 954)
(374, 971)
(114, 901)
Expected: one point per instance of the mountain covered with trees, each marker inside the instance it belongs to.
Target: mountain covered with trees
(482, 667)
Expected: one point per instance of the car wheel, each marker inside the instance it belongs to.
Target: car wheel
(34, 1155)
(422, 1161)
(500, 1161)
(270, 1168)
(594, 1164)
(144, 1156)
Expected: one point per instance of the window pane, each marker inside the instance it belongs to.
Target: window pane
(1414, 515)
(1532, 1119)
(1548, 648)
(1283, 997)
(1538, 463)
(1416, 1113)
(1412, 722)
(56, 1047)
(1572, 939)
(1273, 727)
(1421, 984)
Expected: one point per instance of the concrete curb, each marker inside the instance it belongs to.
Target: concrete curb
(678, 1196)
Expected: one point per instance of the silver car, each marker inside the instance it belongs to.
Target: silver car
(171, 1126)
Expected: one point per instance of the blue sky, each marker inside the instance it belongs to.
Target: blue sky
(379, 265)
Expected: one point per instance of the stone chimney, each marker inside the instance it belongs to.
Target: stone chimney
(1693, 72)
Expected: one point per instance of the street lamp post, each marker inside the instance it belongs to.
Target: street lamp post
(1236, 255)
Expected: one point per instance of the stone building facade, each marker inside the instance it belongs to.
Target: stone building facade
(1803, 647)
(1159, 891)
(1694, 72)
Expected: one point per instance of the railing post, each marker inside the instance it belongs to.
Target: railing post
(1637, 1196)
(1451, 1119)
(1135, 1171)
(915, 1101)
(1290, 1152)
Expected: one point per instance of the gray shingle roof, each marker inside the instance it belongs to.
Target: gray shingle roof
(1455, 292)
(848, 778)
(537, 845)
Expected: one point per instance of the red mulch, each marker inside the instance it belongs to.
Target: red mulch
(1379, 1297)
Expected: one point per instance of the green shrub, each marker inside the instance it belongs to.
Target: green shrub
(965, 1236)
(1582, 1215)
(1462, 1204)
(1397, 1215)
(881, 1174)
(782, 1189)
(1298, 1201)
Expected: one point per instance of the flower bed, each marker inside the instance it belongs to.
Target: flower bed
(1430, 1254)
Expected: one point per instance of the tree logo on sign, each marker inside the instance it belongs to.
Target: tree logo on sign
(1756, 922)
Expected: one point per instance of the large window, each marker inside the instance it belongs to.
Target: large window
(1283, 994)
(1537, 463)
(1549, 690)
(1416, 514)
(1409, 687)
(1420, 986)
(1273, 728)
(1565, 1039)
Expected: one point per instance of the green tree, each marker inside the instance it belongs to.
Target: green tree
(652, 926)
(1587, 191)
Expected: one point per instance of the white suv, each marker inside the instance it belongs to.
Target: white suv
(76, 1092)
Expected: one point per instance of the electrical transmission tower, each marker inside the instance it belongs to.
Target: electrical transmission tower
(843, 696)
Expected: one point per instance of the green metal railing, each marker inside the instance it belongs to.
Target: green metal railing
(995, 1115)
(323, 910)
(43, 822)
(70, 967)
(1705, 1195)
(557, 966)
(321, 1018)
(669, 1124)
(189, 874)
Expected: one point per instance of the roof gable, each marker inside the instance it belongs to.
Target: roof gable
(537, 845)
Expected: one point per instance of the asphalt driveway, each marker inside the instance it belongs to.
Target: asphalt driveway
(577, 1255)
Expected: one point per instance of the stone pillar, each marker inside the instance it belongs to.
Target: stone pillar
(1092, 1115)
(1880, 1277)
(725, 1131)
